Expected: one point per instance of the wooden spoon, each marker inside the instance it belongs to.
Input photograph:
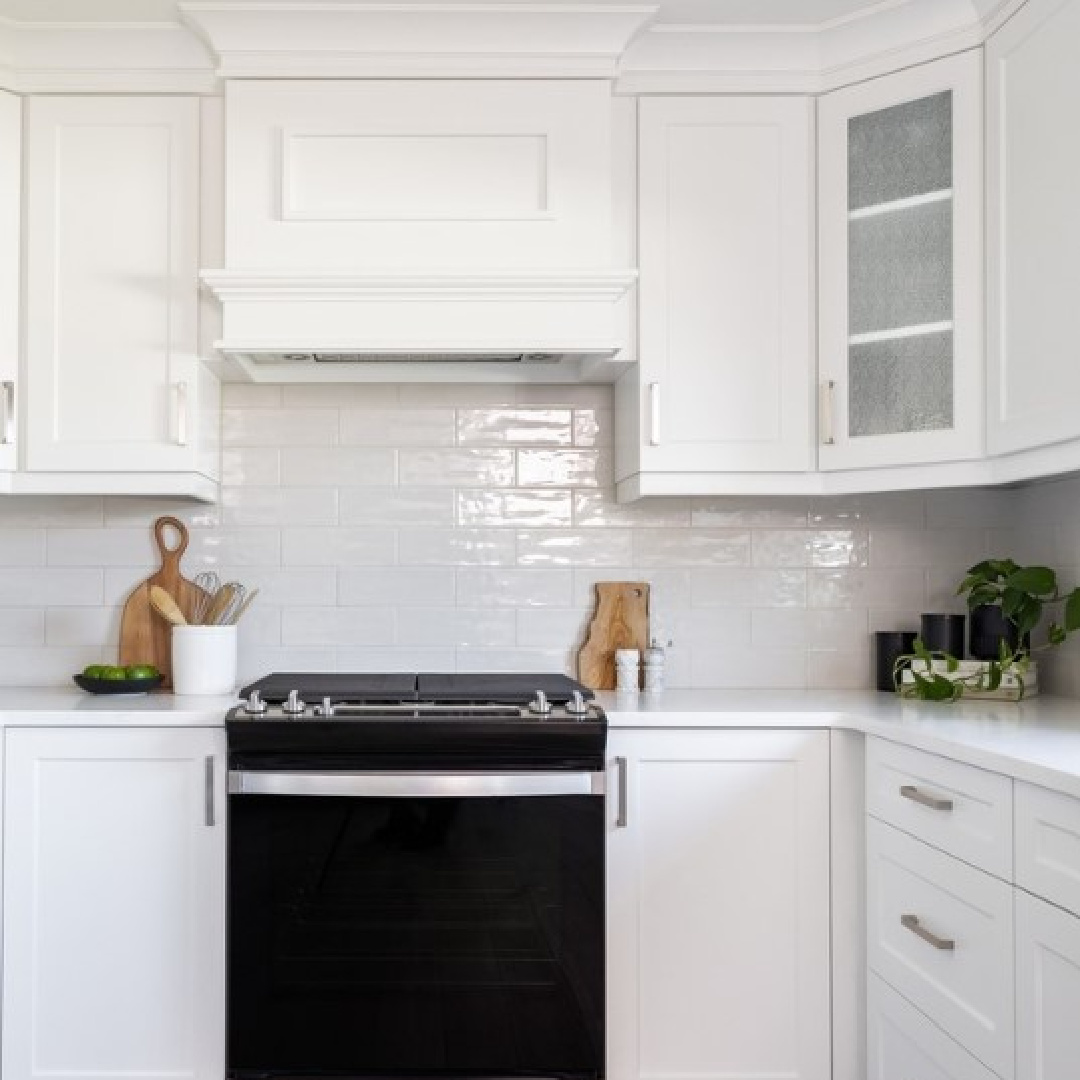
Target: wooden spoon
(166, 606)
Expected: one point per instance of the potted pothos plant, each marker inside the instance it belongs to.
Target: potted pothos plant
(1007, 603)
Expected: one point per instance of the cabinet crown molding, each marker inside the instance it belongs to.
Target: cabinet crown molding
(261, 39)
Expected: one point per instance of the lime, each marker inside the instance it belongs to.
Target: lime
(113, 674)
(142, 671)
(95, 671)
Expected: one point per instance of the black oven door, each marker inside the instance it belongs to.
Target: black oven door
(416, 925)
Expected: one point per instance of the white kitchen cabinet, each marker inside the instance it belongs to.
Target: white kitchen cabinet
(1033, 163)
(725, 218)
(901, 363)
(718, 904)
(1047, 991)
(10, 227)
(114, 385)
(114, 904)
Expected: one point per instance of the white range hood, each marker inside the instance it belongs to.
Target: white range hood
(389, 216)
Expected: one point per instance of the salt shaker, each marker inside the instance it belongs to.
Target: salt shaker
(627, 670)
(655, 660)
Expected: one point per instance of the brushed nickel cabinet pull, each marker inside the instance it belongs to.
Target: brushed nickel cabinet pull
(825, 412)
(621, 806)
(209, 794)
(182, 414)
(911, 922)
(934, 802)
(654, 414)
(7, 427)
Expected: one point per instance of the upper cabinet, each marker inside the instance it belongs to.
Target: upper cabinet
(1033, 91)
(114, 385)
(725, 229)
(901, 268)
(10, 215)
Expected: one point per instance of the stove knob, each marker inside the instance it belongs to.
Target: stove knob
(540, 704)
(326, 708)
(254, 706)
(292, 705)
(577, 705)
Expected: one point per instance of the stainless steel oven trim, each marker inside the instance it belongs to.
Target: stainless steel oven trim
(413, 785)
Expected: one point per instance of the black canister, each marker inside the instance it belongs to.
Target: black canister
(989, 628)
(943, 632)
(889, 646)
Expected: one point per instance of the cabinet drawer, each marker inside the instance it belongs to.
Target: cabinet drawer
(901, 1043)
(958, 808)
(1048, 845)
(940, 932)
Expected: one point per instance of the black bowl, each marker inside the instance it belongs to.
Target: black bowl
(118, 686)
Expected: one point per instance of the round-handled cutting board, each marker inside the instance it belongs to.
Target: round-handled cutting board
(145, 637)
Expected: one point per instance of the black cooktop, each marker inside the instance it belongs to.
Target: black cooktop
(498, 689)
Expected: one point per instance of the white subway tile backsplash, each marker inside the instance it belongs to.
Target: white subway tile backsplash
(338, 467)
(397, 427)
(459, 467)
(448, 527)
(596, 547)
(492, 508)
(459, 547)
(514, 427)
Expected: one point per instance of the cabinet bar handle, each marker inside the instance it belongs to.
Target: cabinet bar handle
(182, 414)
(934, 802)
(7, 428)
(654, 414)
(620, 812)
(825, 412)
(209, 796)
(911, 922)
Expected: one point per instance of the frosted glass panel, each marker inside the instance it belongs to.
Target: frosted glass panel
(900, 152)
(901, 385)
(901, 268)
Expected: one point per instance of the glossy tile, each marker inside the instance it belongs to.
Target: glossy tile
(259, 467)
(520, 507)
(250, 396)
(692, 547)
(897, 548)
(461, 627)
(736, 513)
(138, 511)
(405, 507)
(593, 427)
(748, 588)
(552, 628)
(397, 427)
(598, 509)
(864, 588)
(22, 547)
(563, 468)
(338, 467)
(610, 547)
(97, 626)
(515, 588)
(341, 395)
(279, 506)
(234, 546)
(338, 547)
(460, 547)
(339, 627)
(49, 587)
(459, 467)
(514, 427)
(279, 427)
(397, 585)
(100, 547)
(43, 511)
(26, 626)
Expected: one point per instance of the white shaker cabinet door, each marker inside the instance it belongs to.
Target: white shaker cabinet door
(112, 234)
(114, 904)
(1033, 161)
(10, 222)
(901, 268)
(1047, 991)
(725, 217)
(718, 905)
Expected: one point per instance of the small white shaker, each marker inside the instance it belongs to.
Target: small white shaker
(627, 671)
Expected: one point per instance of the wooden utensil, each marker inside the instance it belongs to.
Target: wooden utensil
(166, 606)
(220, 604)
(621, 622)
(144, 635)
(245, 604)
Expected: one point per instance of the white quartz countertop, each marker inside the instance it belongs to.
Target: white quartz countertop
(1037, 741)
(75, 708)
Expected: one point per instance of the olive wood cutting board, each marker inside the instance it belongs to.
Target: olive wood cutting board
(145, 637)
(621, 621)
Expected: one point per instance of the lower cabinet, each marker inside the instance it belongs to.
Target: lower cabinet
(1047, 991)
(114, 904)
(718, 904)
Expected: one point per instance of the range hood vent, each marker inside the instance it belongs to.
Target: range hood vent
(409, 358)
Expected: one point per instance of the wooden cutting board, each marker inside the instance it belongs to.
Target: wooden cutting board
(144, 634)
(621, 622)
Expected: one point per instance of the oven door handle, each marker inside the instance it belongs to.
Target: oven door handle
(416, 785)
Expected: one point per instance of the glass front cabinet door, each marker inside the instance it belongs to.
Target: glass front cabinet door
(901, 275)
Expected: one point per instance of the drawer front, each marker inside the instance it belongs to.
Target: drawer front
(958, 808)
(1048, 845)
(901, 1043)
(941, 933)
